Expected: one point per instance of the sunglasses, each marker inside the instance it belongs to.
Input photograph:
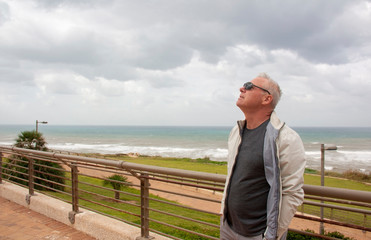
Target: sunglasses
(250, 85)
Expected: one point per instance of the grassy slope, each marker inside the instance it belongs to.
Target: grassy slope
(204, 165)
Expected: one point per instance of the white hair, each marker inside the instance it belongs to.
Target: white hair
(273, 88)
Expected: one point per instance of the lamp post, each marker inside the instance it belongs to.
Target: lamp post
(37, 124)
(323, 149)
(321, 227)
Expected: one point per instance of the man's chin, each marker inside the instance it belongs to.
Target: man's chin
(239, 102)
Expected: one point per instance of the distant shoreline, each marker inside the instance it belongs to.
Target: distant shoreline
(353, 144)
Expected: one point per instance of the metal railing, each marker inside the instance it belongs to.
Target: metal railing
(175, 203)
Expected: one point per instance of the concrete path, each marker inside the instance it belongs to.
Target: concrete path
(20, 223)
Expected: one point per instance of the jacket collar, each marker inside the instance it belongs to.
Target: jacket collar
(274, 120)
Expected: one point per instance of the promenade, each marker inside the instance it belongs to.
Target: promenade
(20, 223)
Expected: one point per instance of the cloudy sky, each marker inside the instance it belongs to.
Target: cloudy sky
(181, 62)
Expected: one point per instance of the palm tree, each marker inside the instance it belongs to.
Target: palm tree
(46, 173)
(117, 182)
(31, 140)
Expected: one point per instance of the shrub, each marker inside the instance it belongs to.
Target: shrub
(117, 182)
(311, 171)
(337, 235)
(49, 174)
(297, 236)
(357, 175)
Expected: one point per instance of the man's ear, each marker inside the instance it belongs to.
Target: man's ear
(267, 99)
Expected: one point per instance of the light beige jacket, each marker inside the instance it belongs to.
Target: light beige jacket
(284, 163)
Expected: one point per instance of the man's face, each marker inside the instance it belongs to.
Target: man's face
(251, 99)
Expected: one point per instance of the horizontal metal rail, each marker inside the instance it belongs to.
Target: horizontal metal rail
(357, 210)
(360, 204)
(207, 182)
(333, 222)
(341, 193)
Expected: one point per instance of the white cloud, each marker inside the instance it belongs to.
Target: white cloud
(306, 98)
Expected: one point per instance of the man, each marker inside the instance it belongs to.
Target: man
(265, 168)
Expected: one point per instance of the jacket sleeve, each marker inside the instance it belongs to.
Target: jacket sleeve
(233, 142)
(292, 165)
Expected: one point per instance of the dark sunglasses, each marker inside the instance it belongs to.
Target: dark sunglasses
(250, 85)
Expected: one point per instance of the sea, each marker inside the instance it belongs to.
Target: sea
(353, 143)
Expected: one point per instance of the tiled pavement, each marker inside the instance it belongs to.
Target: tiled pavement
(20, 223)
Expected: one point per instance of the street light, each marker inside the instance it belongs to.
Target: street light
(37, 124)
(324, 147)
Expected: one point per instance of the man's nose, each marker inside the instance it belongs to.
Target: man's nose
(242, 89)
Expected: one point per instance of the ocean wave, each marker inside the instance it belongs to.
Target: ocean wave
(312, 153)
(349, 157)
(364, 153)
(217, 154)
(329, 168)
(339, 159)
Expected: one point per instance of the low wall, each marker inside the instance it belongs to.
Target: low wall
(91, 223)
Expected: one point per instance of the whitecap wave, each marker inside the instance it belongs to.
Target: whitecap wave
(217, 154)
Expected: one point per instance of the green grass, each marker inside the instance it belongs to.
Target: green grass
(336, 182)
(311, 177)
(200, 165)
(201, 228)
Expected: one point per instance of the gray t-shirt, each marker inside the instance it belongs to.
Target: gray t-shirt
(248, 188)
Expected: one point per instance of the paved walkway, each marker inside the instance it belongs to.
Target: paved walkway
(20, 223)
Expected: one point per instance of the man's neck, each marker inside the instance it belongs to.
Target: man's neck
(255, 120)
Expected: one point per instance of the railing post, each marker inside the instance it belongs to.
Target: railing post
(31, 177)
(364, 221)
(321, 227)
(144, 207)
(30, 180)
(1, 167)
(75, 193)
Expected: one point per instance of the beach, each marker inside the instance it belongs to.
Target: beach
(353, 144)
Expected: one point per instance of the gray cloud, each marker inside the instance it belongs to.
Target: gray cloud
(4, 13)
(182, 59)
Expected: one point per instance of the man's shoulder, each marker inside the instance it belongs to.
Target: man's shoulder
(288, 136)
(234, 132)
(288, 131)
